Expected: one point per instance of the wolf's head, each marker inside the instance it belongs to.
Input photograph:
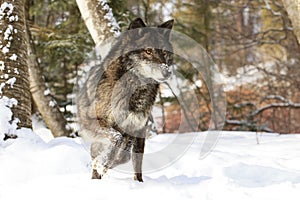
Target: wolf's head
(153, 57)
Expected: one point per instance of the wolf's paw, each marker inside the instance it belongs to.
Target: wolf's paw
(96, 175)
(99, 172)
(99, 169)
(138, 177)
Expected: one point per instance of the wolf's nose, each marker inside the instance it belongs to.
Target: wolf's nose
(166, 71)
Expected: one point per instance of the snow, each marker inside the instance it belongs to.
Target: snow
(6, 9)
(7, 125)
(38, 166)
(11, 81)
(47, 92)
(41, 130)
(2, 85)
(13, 18)
(52, 103)
(5, 50)
(2, 65)
(16, 71)
(8, 32)
(248, 74)
(112, 22)
(13, 57)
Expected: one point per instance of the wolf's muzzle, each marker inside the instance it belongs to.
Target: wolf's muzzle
(166, 71)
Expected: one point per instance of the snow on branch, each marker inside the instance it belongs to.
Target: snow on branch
(241, 105)
(112, 22)
(285, 104)
(99, 19)
(269, 8)
(249, 121)
(248, 124)
(277, 97)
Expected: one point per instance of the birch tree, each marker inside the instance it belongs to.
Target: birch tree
(99, 19)
(14, 82)
(293, 10)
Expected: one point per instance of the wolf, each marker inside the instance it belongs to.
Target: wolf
(115, 103)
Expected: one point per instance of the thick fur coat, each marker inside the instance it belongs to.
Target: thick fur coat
(115, 103)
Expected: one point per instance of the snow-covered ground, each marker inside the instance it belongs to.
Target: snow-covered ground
(237, 168)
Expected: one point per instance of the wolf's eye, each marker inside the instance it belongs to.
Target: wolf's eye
(148, 51)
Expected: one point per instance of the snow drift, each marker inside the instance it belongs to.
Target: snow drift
(237, 168)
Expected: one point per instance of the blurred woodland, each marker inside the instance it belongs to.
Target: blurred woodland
(252, 43)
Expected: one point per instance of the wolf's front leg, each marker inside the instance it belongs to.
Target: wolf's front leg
(104, 154)
(97, 149)
(137, 157)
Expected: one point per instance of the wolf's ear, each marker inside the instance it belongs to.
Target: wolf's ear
(166, 28)
(137, 23)
(167, 24)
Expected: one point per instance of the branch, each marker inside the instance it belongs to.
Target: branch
(248, 125)
(276, 105)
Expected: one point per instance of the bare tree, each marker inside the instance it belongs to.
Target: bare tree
(14, 75)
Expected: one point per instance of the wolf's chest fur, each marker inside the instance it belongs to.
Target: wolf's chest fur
(124, 101)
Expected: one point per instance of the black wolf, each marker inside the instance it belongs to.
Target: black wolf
(115, 103)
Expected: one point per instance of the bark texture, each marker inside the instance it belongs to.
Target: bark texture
(14, 75)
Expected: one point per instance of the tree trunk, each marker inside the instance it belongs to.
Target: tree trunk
(14, 81)
(99, 19)
(293, 10)
(46, 105)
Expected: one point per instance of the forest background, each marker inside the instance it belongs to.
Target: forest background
(253, 43)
